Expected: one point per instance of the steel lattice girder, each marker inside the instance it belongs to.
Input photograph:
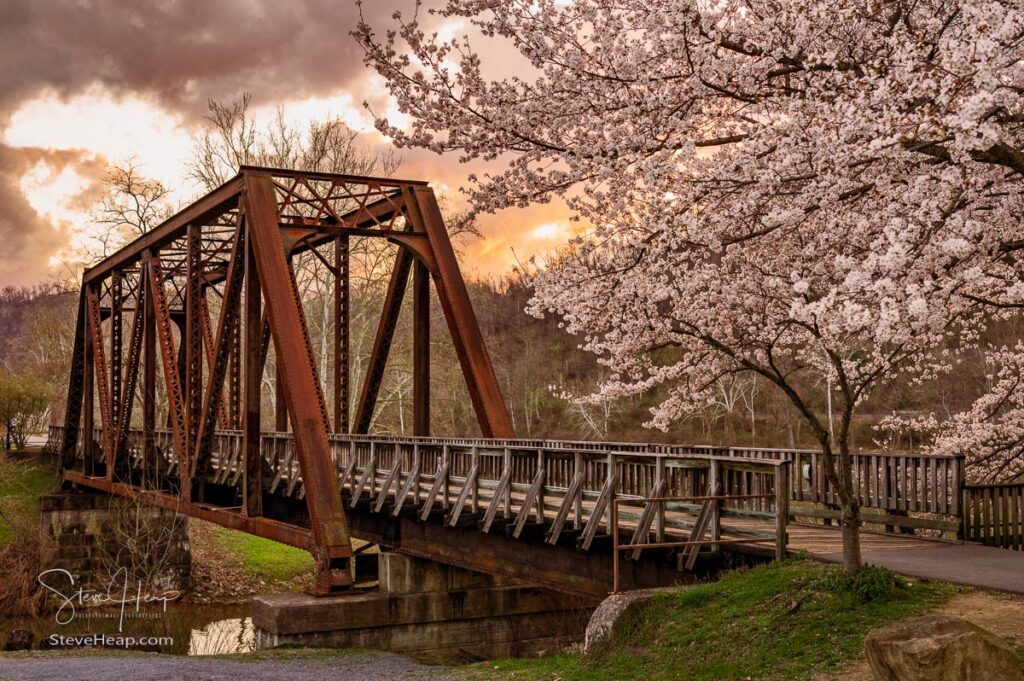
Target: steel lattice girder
(237, 243)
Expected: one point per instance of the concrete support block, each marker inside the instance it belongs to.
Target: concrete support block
(86, 534)
(432, 611)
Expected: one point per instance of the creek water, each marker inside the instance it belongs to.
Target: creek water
(181, 629)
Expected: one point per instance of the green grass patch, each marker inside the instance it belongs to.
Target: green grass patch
(792, 620)
(263, 557)
(22, 481)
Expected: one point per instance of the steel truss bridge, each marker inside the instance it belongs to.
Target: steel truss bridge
(194, 306)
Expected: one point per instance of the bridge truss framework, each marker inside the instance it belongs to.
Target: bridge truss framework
(198, 302)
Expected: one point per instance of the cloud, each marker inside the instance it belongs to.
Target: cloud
(181, 51)
(33, 228)
(85, 82)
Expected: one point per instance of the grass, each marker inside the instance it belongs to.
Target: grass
(263, 557)
(21, 483)
(785, 621)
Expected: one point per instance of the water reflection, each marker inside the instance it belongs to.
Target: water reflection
(193, 629)
(223, 637)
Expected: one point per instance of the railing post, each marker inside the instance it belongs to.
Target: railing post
(615, 484)
(614, 528)
(782, 474)
(660, 517)
(507, 461)
(540, 492)
(447, 477)
(714, 485)
(578, 506)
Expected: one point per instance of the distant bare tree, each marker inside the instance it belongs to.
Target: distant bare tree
(132, 205)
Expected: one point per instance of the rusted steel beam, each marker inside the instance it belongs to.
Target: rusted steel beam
(420, 350)
(221, 346)
(342, 313)
(210, 353)
(313, 175)
(217, 201)
(458, 312)
(172, 382)
(149, 460)
(127, 395)
(116, 365)
(286, 533)
(193, 343)
(382, 341)
(235, 376)
(305, 404)
(253, 359)
(100, 370)
(76, 389)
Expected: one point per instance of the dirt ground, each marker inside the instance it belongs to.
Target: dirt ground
(219, 577)
(1001, 614)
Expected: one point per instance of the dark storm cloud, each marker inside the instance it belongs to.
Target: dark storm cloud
(182, 51)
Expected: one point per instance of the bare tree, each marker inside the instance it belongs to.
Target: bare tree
(132, 205)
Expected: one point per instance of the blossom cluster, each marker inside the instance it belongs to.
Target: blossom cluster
(795, 188)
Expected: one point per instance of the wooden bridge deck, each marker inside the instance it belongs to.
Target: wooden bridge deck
(560, 493)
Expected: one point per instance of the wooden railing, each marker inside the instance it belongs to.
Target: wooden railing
(905, 491)
(994, 514)
(564, 492)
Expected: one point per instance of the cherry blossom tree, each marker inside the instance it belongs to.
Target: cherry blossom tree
(816, 192)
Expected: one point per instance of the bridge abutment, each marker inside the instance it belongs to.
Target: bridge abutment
(433, 611)
(101, 540)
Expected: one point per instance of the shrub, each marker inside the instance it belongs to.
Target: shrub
(870, 583)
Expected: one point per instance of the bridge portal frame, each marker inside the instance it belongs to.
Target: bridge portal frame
(231, 253)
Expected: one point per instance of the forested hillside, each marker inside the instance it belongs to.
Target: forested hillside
(540, 368)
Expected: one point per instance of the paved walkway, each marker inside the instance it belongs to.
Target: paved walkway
(974, 565)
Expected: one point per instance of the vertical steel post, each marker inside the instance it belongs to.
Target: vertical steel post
(332, 545)
(73, 407)
(88, 391)
(421, 349)
(150, 468)
(253, 328)
(342, 314)
(116, 364)
(193, 343)
(458, 312)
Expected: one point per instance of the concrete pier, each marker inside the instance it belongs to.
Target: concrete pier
(432, 611)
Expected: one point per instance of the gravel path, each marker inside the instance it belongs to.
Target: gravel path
(357, 667)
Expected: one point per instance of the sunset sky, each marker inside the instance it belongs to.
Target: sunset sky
(85, 83)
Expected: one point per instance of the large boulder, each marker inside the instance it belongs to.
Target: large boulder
(612, 609)
(938, 648)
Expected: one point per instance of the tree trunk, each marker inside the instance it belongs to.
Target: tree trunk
(851, 523)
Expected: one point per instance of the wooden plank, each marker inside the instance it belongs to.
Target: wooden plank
(411, 481)
(532, 497)
(500, 491)
(690, 552)
(393, 475)
(368, 471)
(468, 487)
(571, 496)
(590, 530)
(440, 479)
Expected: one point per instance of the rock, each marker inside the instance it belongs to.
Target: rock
(938, 648)
(599, 628)
(20, 639)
